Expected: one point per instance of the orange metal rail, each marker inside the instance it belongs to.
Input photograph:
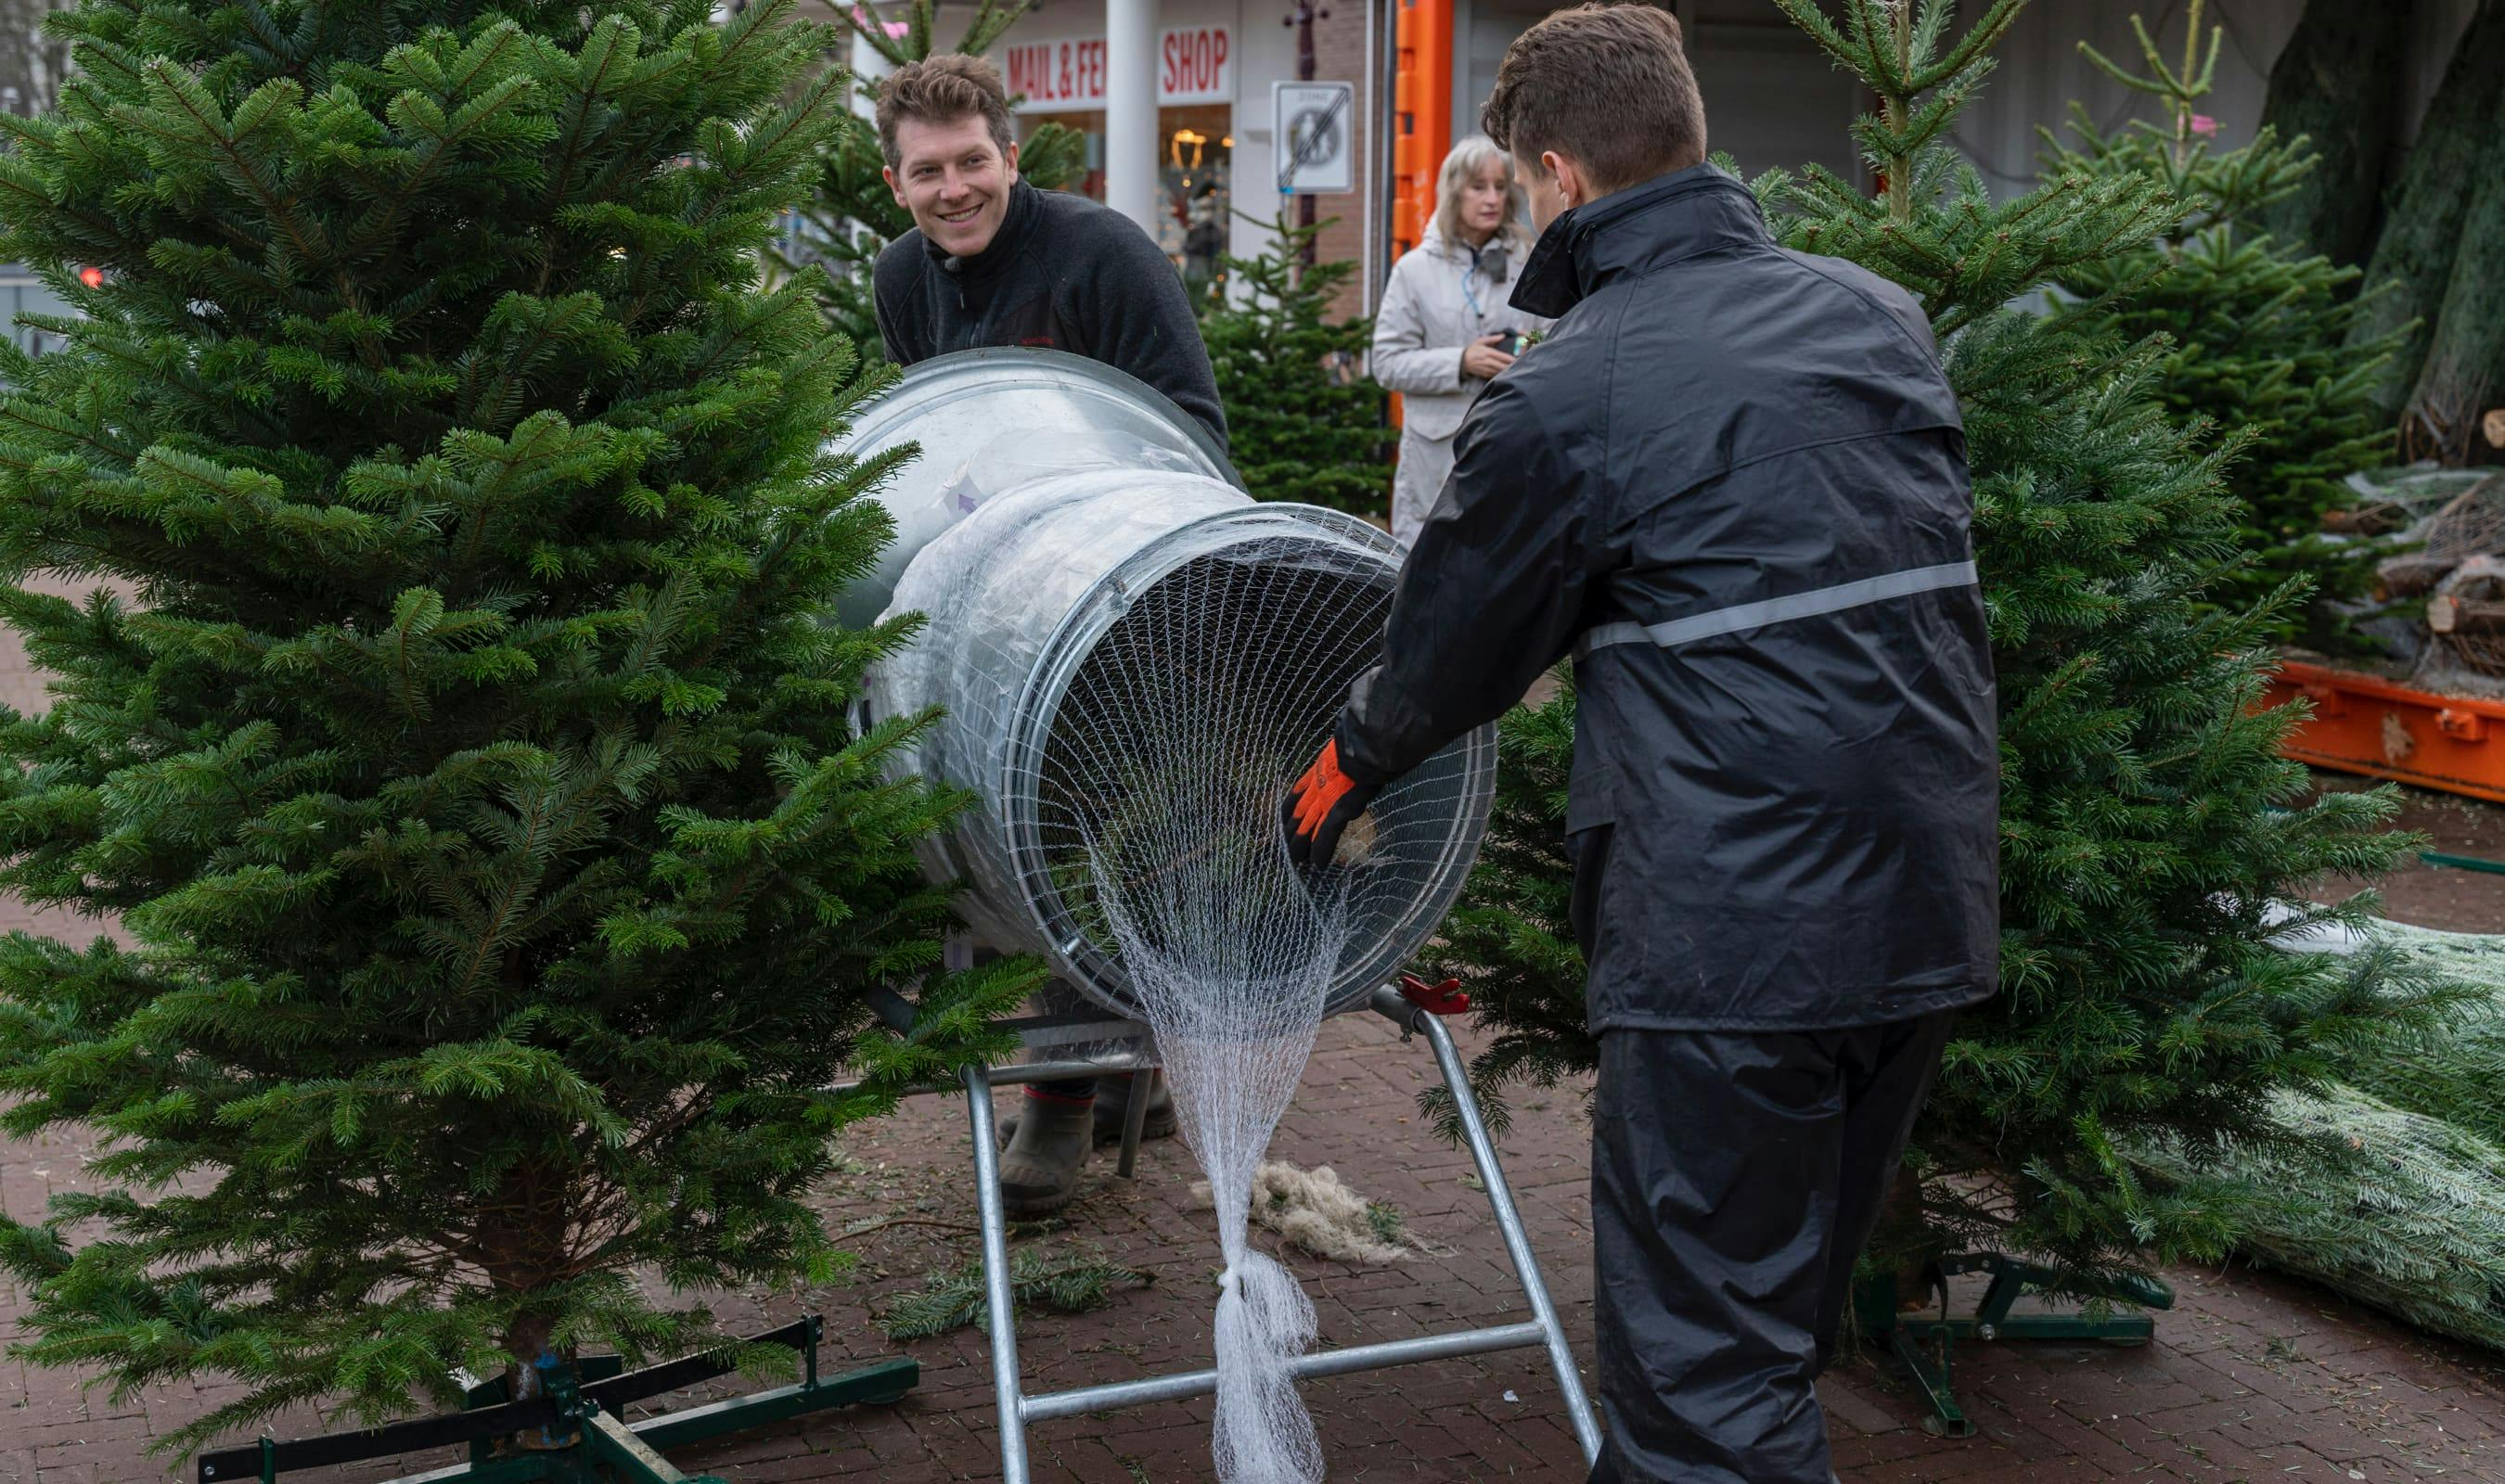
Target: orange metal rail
(2361, 724)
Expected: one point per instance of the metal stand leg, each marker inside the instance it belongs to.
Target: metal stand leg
(1508, 1219)
(1135, 1121)
(1017, 1409)
(997, 1298)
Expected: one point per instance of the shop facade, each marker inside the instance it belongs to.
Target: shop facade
(1199, 172)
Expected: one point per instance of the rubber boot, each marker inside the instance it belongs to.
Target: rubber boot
(1114, 1105)
(1040, 1168)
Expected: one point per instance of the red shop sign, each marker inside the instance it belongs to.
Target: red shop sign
(1195, 64)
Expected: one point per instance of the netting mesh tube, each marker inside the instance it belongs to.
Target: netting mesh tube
(1081, 627)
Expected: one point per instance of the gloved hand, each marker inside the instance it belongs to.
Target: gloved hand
(1321, 806)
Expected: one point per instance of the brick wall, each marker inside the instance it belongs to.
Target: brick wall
(1340, 56)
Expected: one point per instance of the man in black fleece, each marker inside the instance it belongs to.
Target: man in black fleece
(992, 260)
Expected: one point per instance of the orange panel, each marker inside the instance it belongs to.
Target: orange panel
(1421, 123)
(2362, 724)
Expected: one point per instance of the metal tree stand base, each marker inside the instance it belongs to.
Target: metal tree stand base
(1018, 1407)
(1925, 1345)
(573, 1430)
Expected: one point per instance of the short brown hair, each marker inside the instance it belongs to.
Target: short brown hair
(1607, 85)
(942, 89)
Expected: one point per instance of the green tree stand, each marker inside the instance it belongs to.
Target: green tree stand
(1927, 1346)
(573, 1428)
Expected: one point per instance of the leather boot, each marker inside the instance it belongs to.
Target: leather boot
(1114, 1105)
(1040, 1168)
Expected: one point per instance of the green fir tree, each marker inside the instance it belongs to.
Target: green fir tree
(2260, 331)
(455, 731)
(2142, 856)
(851, 215)
(1302, 423)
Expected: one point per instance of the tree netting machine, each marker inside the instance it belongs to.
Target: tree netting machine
(1091, 573)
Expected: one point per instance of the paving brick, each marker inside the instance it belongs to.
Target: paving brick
(2248, 1378)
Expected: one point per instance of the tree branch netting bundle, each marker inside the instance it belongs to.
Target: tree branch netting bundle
(1134, 667)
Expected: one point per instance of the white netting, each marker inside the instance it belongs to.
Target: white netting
(1135, 666)
(1201, 704)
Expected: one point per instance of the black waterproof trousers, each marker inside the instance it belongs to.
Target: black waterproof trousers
(1736, 1177)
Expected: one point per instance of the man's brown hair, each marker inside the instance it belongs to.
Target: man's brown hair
(1605, 83)
(942, 90)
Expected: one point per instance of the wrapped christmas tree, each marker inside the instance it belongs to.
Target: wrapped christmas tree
(2141, 856)
(454, 728)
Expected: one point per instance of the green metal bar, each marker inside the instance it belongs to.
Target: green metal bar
(885, 1382)
(2462, 862)
(1933, 1378)
(2071, 1326)
(2006, 1287)
(513, 1469)
(632, 1459)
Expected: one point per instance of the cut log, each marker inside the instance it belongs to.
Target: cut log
(2421, 235)
(2492, 427)
(2467, 613)
(2408, 576)
(2450, 613)
(2338, 83)
(2365, 520)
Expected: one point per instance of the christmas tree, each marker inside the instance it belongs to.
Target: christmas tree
(1301, 421)
(2143, 860)
(851, 215)
(2260, 329)
(454, 729)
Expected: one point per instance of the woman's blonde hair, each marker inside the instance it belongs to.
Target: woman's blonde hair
(1461, 167)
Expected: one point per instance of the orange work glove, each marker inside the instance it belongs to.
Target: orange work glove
(1321, 806)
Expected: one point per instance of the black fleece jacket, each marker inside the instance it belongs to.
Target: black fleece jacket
(1064, 272)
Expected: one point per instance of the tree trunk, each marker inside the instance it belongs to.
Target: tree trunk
(2455, 152)
(2337, 83)
(2464, 374)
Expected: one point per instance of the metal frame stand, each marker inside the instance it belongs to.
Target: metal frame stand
(572, 1429)
(1018, 1407)
(1925, 1346)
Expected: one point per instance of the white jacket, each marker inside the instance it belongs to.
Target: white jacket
(1428, 316)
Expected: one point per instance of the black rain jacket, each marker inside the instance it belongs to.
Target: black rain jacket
(1732, 482)
(1063, 272)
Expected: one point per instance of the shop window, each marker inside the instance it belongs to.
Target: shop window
(1195, 162)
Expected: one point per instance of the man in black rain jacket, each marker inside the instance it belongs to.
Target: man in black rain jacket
(1732, 485)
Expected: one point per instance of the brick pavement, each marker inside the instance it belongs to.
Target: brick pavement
(2252, 1378)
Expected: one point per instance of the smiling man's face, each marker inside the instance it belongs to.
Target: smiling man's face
(954, 179)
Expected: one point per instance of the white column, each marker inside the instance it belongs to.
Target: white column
(1131, 135)
(867, 66)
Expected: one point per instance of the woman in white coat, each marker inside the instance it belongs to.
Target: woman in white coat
(1445, 327)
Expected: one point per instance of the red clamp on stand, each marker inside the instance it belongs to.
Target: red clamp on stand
(1444, 999)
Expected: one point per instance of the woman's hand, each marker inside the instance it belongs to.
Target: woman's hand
(1481, 357)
